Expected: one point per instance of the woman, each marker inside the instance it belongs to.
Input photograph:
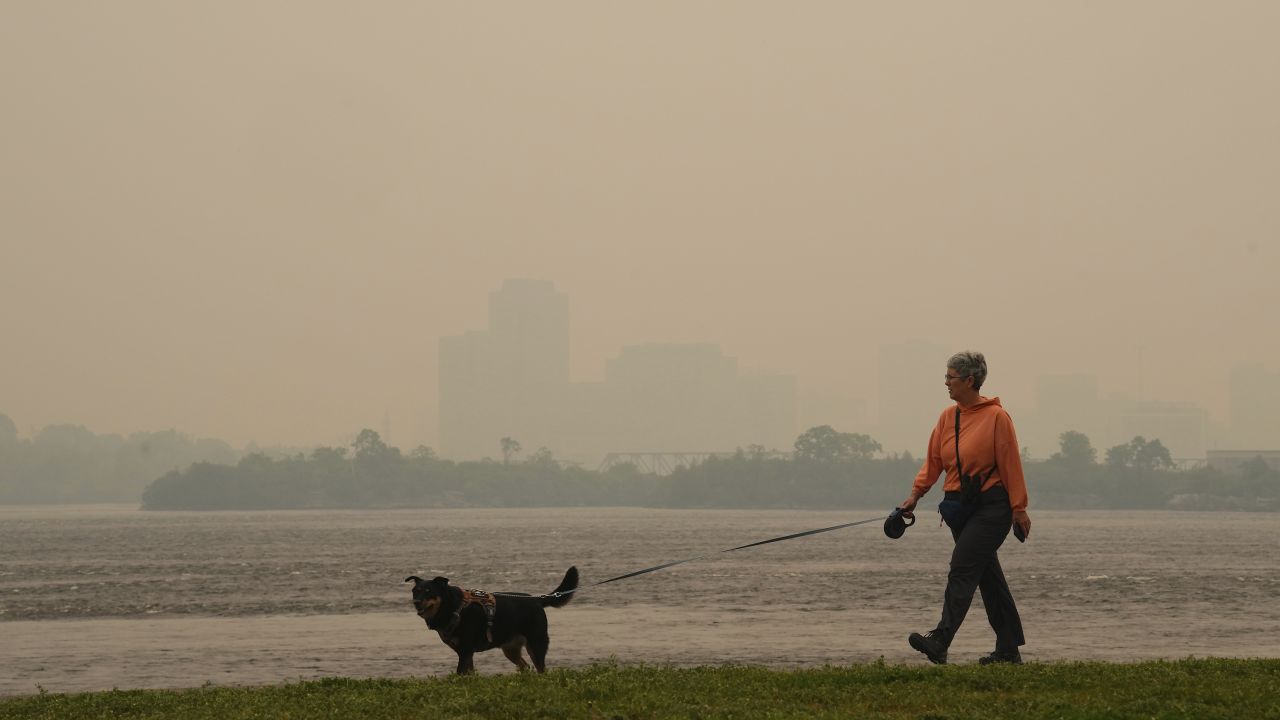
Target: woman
(985, 493)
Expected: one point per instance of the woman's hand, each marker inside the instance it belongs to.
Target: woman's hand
(909, 504)
(1022, 520)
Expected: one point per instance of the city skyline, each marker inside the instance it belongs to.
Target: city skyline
(511, 381)
(237, 232)
(892, 415)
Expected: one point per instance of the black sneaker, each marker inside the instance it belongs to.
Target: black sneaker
(931, 645)
(1000, 656)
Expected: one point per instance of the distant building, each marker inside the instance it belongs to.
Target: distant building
(500, 382)
(530, 321)
(512, 380)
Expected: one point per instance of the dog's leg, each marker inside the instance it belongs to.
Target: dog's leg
(512, 651)
(538, 645)
(466, 664)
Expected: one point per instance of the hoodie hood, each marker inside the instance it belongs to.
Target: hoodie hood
(983, 404)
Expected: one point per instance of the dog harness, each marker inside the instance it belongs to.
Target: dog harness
(487, 601)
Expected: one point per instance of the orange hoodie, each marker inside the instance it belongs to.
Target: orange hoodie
(987, 441)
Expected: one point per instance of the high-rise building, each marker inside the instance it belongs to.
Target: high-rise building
(503, 381)
(529, 321)
(512, 380)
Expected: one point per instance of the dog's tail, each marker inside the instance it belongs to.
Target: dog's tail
(564, 593)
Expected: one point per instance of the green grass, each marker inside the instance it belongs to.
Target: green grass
(1184, 689)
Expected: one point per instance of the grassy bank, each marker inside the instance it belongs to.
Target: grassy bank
(1184, 689)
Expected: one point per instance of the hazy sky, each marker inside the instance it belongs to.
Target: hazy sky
(254, 220)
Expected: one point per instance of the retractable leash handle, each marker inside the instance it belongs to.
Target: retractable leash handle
(897, 523)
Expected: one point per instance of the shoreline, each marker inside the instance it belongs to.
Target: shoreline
(88, 655)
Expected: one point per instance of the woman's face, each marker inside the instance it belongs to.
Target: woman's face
(956, 383)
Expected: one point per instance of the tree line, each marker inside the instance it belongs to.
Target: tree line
(69, 463)
(827, 469)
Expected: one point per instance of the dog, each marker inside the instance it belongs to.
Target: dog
(472, 621)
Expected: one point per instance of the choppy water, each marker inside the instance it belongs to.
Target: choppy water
(107, 596)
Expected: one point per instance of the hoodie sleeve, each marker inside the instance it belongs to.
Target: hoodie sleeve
(932, 467)
(1009, 461)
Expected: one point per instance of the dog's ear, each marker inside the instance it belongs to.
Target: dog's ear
(440, 580)
(416, 580)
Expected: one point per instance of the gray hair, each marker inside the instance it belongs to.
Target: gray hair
(969, 363)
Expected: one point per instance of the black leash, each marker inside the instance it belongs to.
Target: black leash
(663, 566)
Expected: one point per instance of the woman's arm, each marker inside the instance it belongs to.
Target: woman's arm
(929, 472)
(1009, 460)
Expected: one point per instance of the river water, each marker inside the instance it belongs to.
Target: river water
(96, 597)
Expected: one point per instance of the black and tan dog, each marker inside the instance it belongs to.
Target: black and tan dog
(472, 621)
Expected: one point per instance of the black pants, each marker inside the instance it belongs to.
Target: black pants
(974, 566)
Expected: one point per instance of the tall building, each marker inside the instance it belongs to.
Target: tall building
(512, 380)
(501, 382)
(529, 319)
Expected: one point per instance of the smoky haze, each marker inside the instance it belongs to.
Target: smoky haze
(255, 222)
